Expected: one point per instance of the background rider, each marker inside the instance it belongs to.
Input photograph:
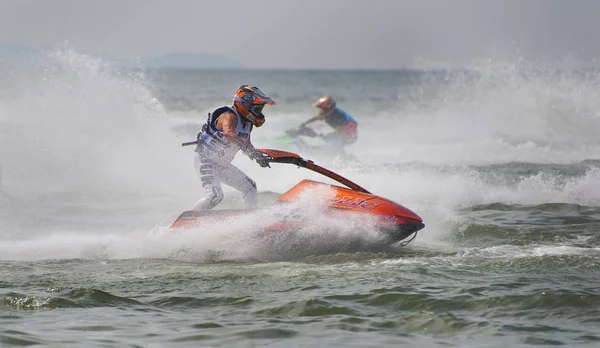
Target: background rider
(345, 126)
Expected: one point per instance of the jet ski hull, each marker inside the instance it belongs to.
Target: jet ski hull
(394, 221)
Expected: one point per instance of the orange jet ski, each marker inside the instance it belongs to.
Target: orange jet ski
(394, 221)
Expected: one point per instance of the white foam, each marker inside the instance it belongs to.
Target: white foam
(76, 125)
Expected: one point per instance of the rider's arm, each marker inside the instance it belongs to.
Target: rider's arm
(228, 122)
(315, 118)
(248, 148)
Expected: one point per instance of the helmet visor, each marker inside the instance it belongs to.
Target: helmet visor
(257, 109)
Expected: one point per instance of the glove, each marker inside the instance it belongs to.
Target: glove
(261, 158)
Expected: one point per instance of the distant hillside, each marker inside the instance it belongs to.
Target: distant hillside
(195, 61)
(8, 48)
(16, 53)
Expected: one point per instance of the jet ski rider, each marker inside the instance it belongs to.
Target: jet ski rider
(345, 127)
(226, 132)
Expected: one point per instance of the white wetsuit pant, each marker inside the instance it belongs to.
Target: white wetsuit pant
(213, 173)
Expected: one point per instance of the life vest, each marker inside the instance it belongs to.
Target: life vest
(339, 120)
(213, 142)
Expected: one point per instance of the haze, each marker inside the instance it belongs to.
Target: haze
(299, 34)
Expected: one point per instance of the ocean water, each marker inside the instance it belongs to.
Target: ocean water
(501, 160)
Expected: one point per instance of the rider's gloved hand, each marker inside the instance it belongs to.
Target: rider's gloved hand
(261, 158)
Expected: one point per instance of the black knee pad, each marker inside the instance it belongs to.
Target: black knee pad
(217, 196)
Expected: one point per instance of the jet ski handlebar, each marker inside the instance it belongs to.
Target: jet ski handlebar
(278, 156)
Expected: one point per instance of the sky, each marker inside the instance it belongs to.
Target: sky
(307, 34)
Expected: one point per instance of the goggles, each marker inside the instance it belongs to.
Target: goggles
(256, 109)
